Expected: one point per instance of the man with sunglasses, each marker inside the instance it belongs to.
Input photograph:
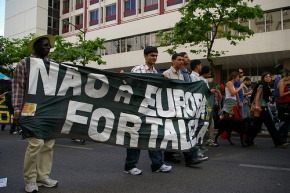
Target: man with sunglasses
(39, 152)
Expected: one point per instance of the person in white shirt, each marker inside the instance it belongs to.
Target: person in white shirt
(195, 66)
(150, 55)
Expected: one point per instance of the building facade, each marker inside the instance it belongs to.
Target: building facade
(130, 25)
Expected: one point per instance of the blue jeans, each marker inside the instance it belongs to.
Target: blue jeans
(133, 158)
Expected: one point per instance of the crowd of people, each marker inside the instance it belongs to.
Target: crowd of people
(232, 100)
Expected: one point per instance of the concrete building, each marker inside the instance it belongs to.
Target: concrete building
(130, 25)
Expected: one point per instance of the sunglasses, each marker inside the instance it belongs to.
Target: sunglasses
(45, 44)
(241, 72)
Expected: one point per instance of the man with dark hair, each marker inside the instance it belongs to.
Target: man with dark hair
(195, 66)
(205, 74)
(278, 68)
(150, 55)
(39, 152)
(183, 69)
(175, 73)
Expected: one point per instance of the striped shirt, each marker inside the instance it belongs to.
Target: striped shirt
(143, 68)
(19, 82)
(171, 73)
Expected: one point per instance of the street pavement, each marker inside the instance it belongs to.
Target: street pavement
(98, 168)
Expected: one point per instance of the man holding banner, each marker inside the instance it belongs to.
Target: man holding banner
(150, 55)
(39, 152)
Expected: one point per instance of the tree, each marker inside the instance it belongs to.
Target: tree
(12, 51)
(82, 51)
(203, 20)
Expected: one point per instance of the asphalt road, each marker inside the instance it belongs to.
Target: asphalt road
(98, 168)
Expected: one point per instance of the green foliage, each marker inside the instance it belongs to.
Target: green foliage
(202, 20)
(82, 51)
(12, 51)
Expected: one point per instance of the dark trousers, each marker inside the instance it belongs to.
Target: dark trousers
(133, 158)
(265, 117)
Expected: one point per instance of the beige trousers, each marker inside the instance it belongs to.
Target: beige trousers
(38, 159)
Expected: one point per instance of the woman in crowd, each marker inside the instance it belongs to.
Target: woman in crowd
(231, 99)
(284, 103)
(230, 105)
(260, 97)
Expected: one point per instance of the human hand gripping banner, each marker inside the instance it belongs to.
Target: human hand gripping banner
(145, 111)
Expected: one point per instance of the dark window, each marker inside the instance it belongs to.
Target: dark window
(130, 7)
(94, 20)
(111, 12)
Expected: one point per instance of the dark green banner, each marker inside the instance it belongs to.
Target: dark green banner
(144, 111)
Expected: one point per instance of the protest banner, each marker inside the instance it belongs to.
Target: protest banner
(145, 111)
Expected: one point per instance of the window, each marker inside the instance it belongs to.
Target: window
(79, 4)
(258, 25)
(273, 21)
(173, 2)
(65, 6)
(150, 5)
(111, 12)
(94, 20)
(286, 19)
(79, 21)
(65, 25)
(93, 2)
(129, 7)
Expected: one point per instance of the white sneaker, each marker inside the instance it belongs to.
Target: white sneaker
(201, 157)
(49, 183)
(134, 171)
(31, 187)
(164, 168)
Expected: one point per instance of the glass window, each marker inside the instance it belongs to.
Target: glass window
(111, 10)
(258, 25)
(79, 21)
(273, 21)
(94, 17)
(108, 46)
(286, 19)
(65, 6)
(123, 45)
(116, 47)
(150, 2)
(147, 40)
(130, 44)
(130, 5)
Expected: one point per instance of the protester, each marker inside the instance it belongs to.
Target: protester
(260, 97)
(240, 96)
(174, 72)
(183, 70)
(230, 105)
(1, 96)
(150, 55)
(247, 93)
(284, 104)
(196, 66)
(39, 152)
(205, 74)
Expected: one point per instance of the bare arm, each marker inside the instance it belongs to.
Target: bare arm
(233, 91)
(280, 87)
(257, 98)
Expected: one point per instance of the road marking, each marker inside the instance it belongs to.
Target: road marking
(74, 147)
(265, 167)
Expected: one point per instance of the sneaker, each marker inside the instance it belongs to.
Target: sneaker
(49, 183)
(134, 171)
(164, 168)
(193, 162)
(212, 144)
(31, 187)
(283, 145)
(201, 157)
